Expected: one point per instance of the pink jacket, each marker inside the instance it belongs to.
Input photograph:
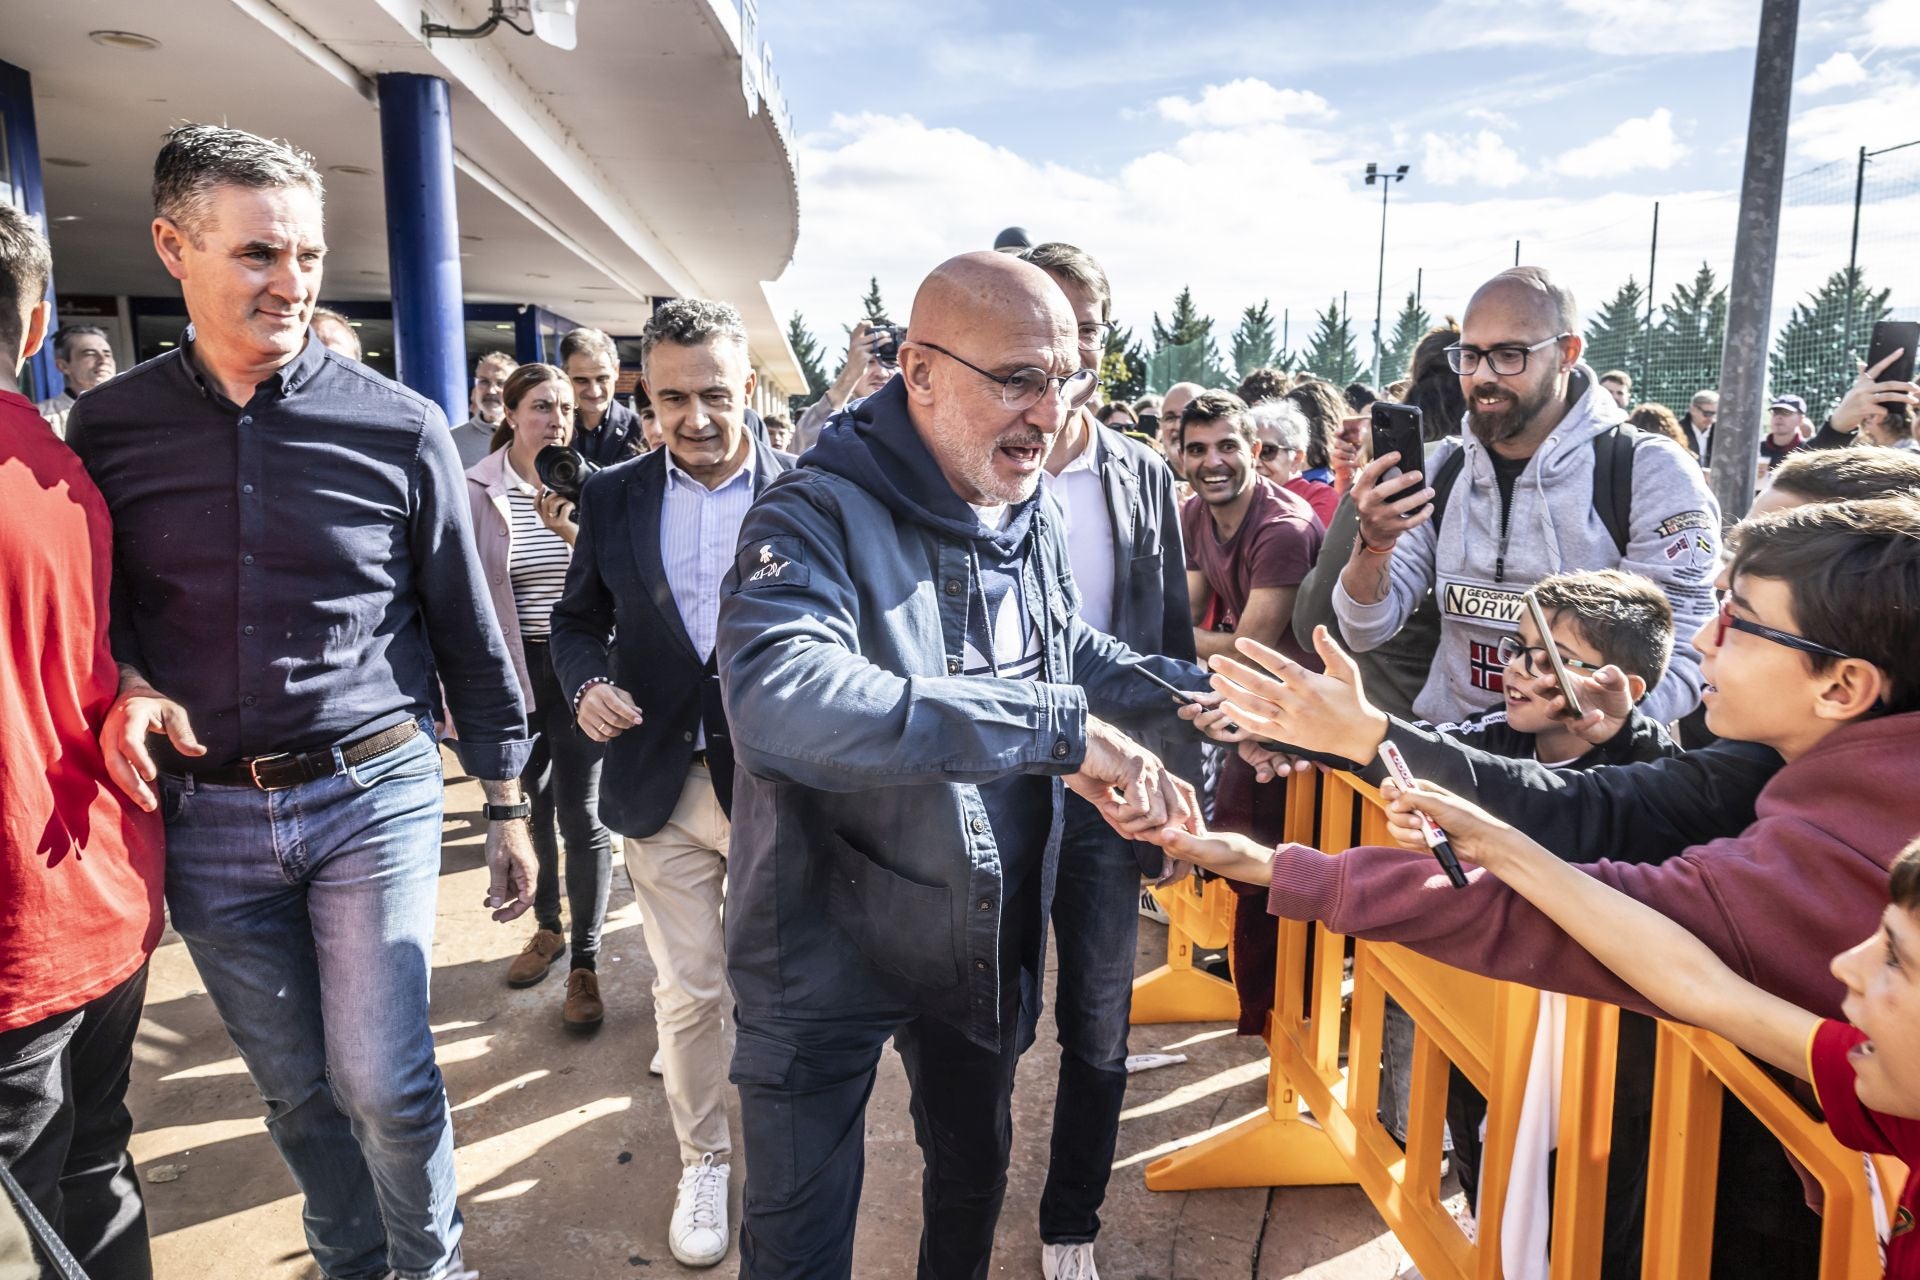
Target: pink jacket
(493, 538)
(1806, 880)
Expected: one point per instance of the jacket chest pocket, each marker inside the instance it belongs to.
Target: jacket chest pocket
(898, 924)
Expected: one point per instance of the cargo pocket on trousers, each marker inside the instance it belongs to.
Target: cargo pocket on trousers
(901, 926)
(767, 1115)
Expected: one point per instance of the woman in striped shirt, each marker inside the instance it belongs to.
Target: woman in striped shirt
(525, 537)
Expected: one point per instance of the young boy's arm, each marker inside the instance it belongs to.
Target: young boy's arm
(1666, 964)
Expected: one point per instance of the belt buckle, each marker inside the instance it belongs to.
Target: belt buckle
(253, 770)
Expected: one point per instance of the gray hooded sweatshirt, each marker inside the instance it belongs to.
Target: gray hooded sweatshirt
(1485, 558)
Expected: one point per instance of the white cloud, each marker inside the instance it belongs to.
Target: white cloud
(1837, 72)
(1644, 142)
(1240, 103)
(1482, 158)
(1891, 24)
(1617, 28)
(1882, 118)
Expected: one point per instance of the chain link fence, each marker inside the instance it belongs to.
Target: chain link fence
(1849, 255)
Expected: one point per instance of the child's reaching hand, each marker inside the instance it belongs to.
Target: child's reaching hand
(1236, 857)
(1476, 835)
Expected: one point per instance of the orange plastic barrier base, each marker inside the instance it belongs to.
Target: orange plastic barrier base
(1177, 991)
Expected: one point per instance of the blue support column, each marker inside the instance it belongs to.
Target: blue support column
(22, 148)
(423, 239)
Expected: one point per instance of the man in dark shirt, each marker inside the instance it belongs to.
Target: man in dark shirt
(293, 567)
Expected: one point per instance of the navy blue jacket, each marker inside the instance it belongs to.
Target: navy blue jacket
(864, 876)
(618, 618)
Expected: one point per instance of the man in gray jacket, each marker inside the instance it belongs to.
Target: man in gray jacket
(1524, 506)
(908, 682)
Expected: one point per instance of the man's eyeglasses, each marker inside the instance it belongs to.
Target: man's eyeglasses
(1505, 361)
(1533, 658)
(1727, 622)
(1023, 388)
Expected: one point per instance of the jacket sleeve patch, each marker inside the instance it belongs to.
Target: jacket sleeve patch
(1685, 520)
(771, 562)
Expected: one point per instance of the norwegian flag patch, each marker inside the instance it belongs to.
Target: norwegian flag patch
(1484, 667)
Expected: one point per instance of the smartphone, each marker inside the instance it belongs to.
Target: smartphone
(1890, 336)
(1180, 696)
(1396, 429)
(1560, 674)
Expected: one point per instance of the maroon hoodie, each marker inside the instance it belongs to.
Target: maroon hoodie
(1807, 880)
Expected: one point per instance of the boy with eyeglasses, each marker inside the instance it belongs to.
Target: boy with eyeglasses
(1810, 658)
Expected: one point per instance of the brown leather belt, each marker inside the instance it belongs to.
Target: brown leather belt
(285, 769)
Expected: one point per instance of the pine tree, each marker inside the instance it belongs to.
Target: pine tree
(1123, 366)
(1254, 340)
(1184, 349)
(875, 310)
(1329, 352)
(1685, 353)
(807, 351)
(1616, 337)
(1810, 358)
(1411, 326)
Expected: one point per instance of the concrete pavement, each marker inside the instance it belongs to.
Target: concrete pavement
(566, 1155)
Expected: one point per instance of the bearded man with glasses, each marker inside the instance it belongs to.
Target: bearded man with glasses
(909, 684)
(1542, 479)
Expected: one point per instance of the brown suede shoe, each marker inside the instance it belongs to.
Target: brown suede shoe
(542, 949)
(583, 1010)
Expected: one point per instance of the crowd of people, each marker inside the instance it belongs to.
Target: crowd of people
(863, 698)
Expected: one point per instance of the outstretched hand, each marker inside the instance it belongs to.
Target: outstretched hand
(1131, 788)
(1278, 699)
(1476, 835)
(1224, 853)
(1604, 696)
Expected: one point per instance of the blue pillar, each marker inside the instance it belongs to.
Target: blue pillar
(423, 239)
(21, 148)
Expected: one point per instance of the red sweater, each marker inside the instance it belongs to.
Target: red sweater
(80, 866)
(1807, 880)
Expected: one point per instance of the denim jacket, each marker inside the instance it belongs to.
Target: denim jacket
(863, 873)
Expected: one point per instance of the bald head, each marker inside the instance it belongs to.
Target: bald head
(979, 294)
(1178, 397)
(1533, 290)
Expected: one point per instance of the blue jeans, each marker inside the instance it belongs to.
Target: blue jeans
(309, 913)
(1096, 919)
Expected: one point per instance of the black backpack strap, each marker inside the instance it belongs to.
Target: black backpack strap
(1443, 482)
(1613, 481)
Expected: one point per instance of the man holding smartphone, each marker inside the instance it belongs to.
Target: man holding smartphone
(1547, 481)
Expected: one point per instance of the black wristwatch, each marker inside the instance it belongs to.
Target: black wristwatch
(506, 812)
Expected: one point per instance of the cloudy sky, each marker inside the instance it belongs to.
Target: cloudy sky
(1222, 144)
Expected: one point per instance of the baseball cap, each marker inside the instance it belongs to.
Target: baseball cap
(1794, 403)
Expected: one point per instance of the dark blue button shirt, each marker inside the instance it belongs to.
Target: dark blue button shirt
(296, 571)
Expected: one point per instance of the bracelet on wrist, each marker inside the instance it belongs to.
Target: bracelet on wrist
(508, 812)
(1370, 549)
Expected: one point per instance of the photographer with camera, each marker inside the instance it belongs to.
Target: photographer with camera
(522, 496)
(873, 356)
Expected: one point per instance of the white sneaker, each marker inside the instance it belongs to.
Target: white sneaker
(1068, 1262)
(1151, 909)
(698, 1235)
(658, 1066)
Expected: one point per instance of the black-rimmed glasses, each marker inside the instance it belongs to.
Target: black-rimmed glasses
(1505, 361)
(1512, 650)
(1023, 388)
(1726, 622)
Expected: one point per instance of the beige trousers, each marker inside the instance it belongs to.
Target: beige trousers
(679, 876)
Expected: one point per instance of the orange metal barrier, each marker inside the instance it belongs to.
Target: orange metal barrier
(1486, 1029)
(1199, 916)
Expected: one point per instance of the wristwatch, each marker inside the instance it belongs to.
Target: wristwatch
(506, 812)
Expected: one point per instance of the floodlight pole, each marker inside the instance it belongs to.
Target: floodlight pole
(1743, 358)
(1386, 179)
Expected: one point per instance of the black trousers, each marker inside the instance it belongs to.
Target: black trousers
(562, 780)
(64, 1126)
(804, 1086)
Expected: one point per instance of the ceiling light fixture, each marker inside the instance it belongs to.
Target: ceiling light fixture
(132, 41)
(68, 217)
(351, 170)
(62, 162)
